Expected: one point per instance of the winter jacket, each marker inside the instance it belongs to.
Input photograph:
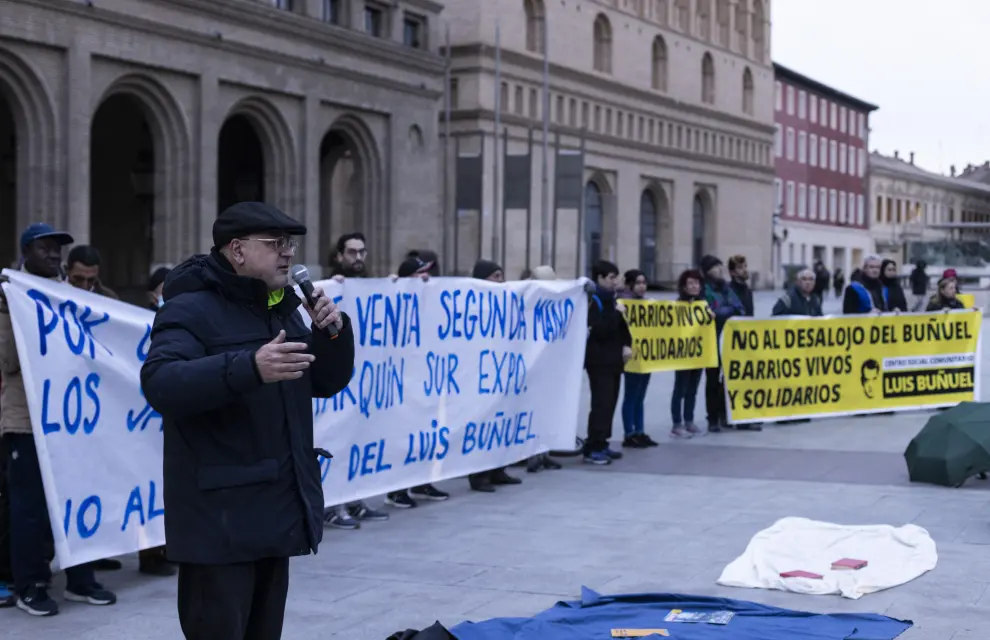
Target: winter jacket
(863, 295)
(14, 415)
(795, 303)
(938, 302)
(919, 281)
(241, 477)
(723, 302)
(607, 334)
(745, 295)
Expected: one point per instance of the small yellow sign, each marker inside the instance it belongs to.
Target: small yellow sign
(968, 300)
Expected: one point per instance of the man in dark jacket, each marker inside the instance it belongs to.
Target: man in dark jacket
(724, 303)
(802, 299)
(739, 281)
(866, 294)
(919, 285)
(822, 279)
(233, 370)
(609, 348)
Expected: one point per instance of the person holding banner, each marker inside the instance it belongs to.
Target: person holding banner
(233, 370)
(609, 348)
(636, 384)
(724, 304)
(30, 527)
(866, 293)
(686, 381)
(945, 298)
(802, 299)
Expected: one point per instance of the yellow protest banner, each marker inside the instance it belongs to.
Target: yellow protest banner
(669, 335)
(842, 365)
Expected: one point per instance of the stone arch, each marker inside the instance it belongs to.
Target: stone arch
(602, 44)
(535, 17)
(747, 91)
(174, 221)
(37, 174)
(350, 134)
(702, 224)
(655, 233)
(594, 223)
(707, 79)
(277, 143)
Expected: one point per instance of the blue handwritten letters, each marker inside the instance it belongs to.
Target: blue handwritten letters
(452, 376)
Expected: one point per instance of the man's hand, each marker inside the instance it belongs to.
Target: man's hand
(626, 354)
(280, 360)
(621, 308)
(324, 312)
(338, 278)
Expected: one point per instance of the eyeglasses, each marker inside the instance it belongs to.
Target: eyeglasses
(281, 245)
(356, 253)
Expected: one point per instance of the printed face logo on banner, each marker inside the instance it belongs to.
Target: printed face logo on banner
(669, 335)
(797, 367)
(451, 377)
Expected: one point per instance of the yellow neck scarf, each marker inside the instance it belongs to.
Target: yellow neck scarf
(275, 297)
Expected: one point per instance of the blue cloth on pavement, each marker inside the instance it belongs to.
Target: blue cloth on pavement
(594, 616)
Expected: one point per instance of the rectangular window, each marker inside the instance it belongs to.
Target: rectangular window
(778, 95)
(790, 101)
(560, 109)
(833, 204)
(833, 155)
(598, 118)
(842, 157)
(842, 119)
(517, 101)
(778, 142)
(813, 202)
(374, 21)
(862, 163)
(802, 207)
(534, 110)
(852, 160)
(802, 147)
(790, 198)
(778, 191)
(619, 120)
(813, 150)
(823, 153)
(852, 208)
(331, 11)
(823, 113)
(790, 143)
(813, 108)
(802, 105)
(455, 98)
(585, 115)
(413, 31)
(572, 113)
(860, 210)
(862, 126)
(842, 207)
(833, 116)
(823, 203)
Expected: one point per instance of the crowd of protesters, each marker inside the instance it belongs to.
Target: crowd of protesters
(26, 549)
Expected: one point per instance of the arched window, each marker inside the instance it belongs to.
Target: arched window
(535, 17)
(708, 79)
(594, 223)
(758, 31)
(603, 44)
(648, 235)
(742, 23)
(747, 101)
(659, 64)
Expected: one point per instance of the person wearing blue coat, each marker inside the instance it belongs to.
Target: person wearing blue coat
(233, 370)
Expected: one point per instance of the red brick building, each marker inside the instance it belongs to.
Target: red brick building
(822, 185)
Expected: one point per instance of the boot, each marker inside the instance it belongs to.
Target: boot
(499, 476)
(481, 482)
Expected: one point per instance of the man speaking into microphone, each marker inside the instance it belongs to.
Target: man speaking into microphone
(233, 370)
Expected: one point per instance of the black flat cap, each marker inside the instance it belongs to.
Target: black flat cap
(245, 218)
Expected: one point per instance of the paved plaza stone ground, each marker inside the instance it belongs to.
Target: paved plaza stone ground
(662, 520)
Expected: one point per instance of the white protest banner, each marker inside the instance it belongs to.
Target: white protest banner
(452, 376)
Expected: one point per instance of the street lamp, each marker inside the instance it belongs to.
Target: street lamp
(778, 234)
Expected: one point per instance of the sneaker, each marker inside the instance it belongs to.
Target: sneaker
(678, 432)
(632, 442)
(338, 518)
(7, 597)
(534, 464)
(500, 477)
(93, 594)
(361, 511)
(597, 457)
(37, 602)
(400, 500)
(613, 455)
(157, 568)
(429, 492)
(647, 441)
(692, 428)
(713, 427)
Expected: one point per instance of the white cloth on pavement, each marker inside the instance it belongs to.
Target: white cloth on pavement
(895, 556)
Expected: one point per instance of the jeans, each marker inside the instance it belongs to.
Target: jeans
(605, 385)
(685, 393)
(633, 400)
(715, 397)
(30, 531)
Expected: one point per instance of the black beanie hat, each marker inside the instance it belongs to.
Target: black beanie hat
(484, 268)
(708, 262)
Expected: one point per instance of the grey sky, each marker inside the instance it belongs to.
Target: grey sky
(920, 61)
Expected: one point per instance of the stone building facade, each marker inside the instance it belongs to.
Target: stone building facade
(672, 103)
(132, 122)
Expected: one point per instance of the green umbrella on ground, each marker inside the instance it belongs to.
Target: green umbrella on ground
(953, 446)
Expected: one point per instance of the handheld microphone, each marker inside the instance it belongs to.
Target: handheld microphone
(300, 275)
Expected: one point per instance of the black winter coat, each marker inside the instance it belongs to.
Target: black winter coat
(607, 334)
(242, 480)
(794, 303)
(745, 295)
